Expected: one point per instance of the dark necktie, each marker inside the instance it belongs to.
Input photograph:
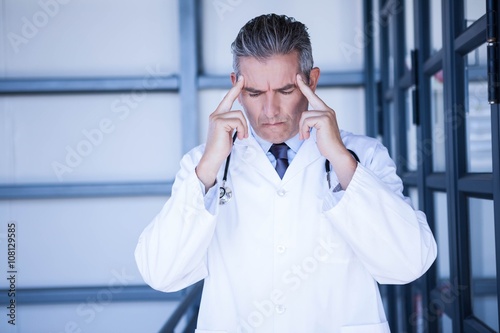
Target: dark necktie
(279, 151)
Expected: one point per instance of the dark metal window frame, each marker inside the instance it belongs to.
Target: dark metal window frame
(456, 182)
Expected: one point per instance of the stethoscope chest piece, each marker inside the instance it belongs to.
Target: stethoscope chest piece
(225, 194)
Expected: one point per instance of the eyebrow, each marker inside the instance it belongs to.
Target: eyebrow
(257, 91)
(287, 87)
(253, 90)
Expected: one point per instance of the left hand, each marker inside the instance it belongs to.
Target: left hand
(322, 118)
(328, 138)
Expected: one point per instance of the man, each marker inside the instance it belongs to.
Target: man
(290, 251)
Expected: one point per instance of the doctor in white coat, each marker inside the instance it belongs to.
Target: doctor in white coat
(291, 254)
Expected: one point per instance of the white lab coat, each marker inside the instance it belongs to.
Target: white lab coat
(288, 255)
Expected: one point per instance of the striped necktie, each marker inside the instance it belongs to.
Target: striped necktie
(279, 151)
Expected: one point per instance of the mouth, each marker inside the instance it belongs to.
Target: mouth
(273, 124)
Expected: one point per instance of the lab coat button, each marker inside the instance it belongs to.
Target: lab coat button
(281, 192)
(280, 309)
(281, 248)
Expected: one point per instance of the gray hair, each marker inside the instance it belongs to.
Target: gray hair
(271, 34)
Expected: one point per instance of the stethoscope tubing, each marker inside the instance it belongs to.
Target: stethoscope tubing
(225, 192)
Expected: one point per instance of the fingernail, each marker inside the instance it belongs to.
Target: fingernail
(299, 77)
(240, 78)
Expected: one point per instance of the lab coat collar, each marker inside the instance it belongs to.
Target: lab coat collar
(251, 152)
(293, 143)
(307, 154)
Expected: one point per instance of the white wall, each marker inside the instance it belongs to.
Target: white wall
(88, 37)
(334, 27)
(112, 137)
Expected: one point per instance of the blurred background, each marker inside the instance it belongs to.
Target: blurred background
(100, 99)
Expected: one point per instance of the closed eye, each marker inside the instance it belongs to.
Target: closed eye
(286, 92)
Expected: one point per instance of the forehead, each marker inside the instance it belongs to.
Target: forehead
(273, 72)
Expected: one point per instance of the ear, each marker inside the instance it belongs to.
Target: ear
(233, 81)
(233, 78)
(313, 78)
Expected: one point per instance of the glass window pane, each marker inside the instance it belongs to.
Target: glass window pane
(392, 129)
(478, 120)
(337, 32)
(483, 259)
(409, 32)
(445, 324)
(416, 319)
(376, 32)
(441, 235)
(436, 26)
(349, 106)
(400, 306)
(89, 38)
(392, 50)
(438, 121)
(411, 133)
(413, 194)
(478, 57)
(106, 137)
(474, 9)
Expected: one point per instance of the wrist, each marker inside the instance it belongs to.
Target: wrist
(344, 165)
(206, 174)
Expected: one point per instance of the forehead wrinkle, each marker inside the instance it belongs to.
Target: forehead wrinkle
(252, 90)
(285, 87)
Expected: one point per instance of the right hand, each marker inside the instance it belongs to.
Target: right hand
(222, 123)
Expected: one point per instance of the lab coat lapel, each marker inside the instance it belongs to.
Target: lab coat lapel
(307, 154)
(249, 153)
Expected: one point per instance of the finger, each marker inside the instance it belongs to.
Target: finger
(316, 119)
(233, 121)
(242, 127)
(227, 102)
(305, 125)
(313, 99)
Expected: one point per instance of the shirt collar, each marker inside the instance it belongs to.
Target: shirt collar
(294, 142)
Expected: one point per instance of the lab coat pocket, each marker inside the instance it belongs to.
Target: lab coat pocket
(373, 328)
(207, 331)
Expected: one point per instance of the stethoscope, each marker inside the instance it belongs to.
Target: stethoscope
(225, 192)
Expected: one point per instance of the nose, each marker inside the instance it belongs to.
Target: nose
(271, 106)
